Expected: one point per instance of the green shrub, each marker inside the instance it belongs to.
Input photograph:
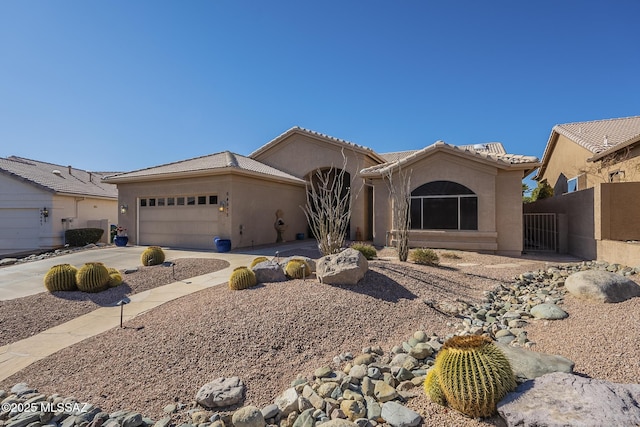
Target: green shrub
(424, 256)
(153, 255)
(82, 236)
(61, 277)
(368, 251)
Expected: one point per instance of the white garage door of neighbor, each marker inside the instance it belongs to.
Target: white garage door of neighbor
(179, 226)
(19, 229)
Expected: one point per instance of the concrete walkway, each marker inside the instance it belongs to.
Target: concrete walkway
(16, 356)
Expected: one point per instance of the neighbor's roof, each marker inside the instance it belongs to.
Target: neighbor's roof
(601, 137)
(222, 162)
(57, 178)
(493, 153)
(327, 138)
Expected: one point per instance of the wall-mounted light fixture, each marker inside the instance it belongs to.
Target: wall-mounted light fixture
(223, 206)
(44, 213)
(123, 209)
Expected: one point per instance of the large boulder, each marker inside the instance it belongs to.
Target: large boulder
(561, 399)
(248, 416)
(269, 272)
(601, 286)
(346, 268)
(221, 392)
(528, 364)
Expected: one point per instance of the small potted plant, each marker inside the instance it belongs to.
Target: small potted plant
(121, 238)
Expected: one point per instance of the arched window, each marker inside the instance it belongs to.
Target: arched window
(444, 205)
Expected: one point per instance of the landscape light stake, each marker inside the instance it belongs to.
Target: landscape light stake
(122, 303)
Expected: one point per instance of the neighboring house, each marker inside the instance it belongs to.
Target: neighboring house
(39, 201)
(594, 169)
(579, 155)
(235, 197)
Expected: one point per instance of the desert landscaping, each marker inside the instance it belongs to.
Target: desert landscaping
(276, 335)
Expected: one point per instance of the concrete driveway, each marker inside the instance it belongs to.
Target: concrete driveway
(25, 279)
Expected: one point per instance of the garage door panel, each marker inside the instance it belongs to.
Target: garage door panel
(19, 229)
(190, 227)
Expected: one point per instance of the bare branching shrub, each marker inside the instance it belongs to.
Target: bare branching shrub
(328, 209)
(400, 193)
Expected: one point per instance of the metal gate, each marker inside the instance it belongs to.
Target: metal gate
(540, 232)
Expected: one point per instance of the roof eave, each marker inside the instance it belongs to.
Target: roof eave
(199, 173)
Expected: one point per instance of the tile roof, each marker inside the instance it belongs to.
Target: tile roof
(218, 162)
(493, 152)
(601, 135)
(57, 178)
(489, 147)
(298, 129)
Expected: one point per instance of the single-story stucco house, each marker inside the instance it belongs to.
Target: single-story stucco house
(462, 197)
(39, 201)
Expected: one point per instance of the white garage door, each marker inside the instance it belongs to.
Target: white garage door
(19, 229)
(184, 222)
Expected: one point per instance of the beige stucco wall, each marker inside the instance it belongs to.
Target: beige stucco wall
(619, 252)
(499, 205)
(569, 160)
(566, 161)
(300, 155)
(619, 213)
(252, 203)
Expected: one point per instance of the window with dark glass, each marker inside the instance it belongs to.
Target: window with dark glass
(171, 201)
(213, 200)
(443, 205)
(180, 201)
(191, 200)
(143, 202)
(152, 202)
(202, 200)
(161, 201)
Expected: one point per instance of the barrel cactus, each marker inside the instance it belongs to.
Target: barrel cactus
(115, 278)
(153, 255)
(242, 278)
(93, 277)
(432, 388)
(61, 277)
(259, 260)
(473, 375)
(297, 269)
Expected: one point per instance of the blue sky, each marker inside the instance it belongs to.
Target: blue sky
(122, 85)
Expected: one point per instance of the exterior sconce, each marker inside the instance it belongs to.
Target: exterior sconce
(44, 213)
(223, 206)
(123, 209)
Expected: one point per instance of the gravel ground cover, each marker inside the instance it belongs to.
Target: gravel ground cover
(22, 317)
(270, 334)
